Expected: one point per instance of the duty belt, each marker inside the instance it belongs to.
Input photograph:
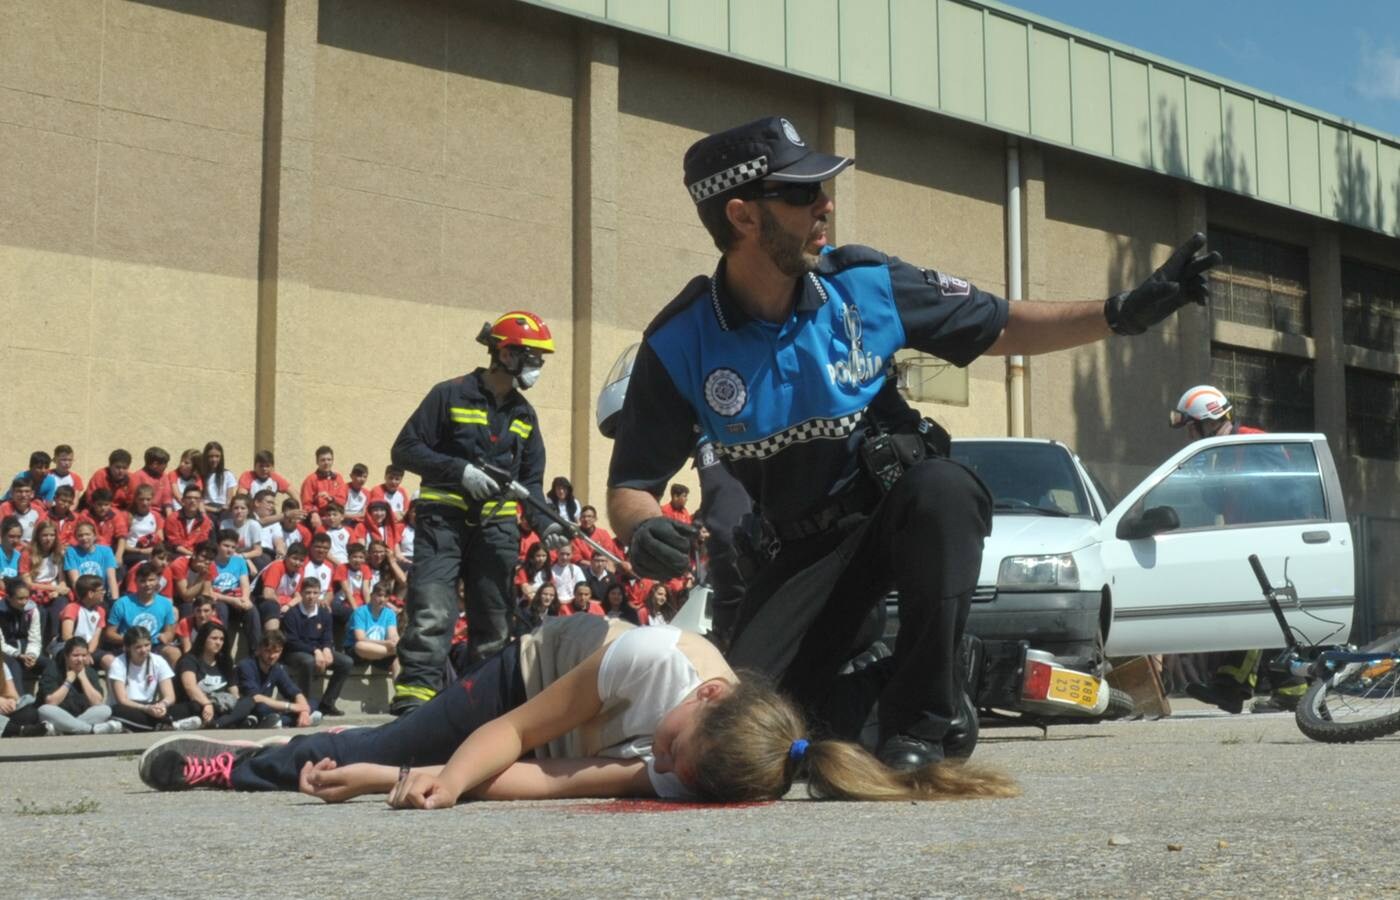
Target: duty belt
(851, 502)
(491, 508)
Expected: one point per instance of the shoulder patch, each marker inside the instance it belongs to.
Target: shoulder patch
(848, 255)
(699, 286)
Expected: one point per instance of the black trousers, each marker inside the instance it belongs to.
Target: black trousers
(446, 547)
(804, 611)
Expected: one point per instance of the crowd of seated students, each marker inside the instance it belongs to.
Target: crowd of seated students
(120, 596)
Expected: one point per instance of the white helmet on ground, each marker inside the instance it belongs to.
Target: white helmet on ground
(1202, 403)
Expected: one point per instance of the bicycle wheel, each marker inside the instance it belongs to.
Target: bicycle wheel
(1360, 701)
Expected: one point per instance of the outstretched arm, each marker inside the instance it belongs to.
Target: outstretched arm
(1039, 327)
(550, 779)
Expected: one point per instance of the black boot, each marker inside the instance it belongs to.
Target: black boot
(904, 753)
(961, 738)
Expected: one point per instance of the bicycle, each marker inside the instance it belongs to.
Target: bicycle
(1353, 692)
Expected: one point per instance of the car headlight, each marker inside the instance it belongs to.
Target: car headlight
(1038, 573)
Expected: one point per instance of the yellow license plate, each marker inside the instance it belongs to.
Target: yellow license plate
(1073, 687)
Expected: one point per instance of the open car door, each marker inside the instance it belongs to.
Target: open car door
(1175, 550)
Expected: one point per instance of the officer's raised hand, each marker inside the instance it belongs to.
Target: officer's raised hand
(660, 548)
(1180, 280)
(554, 536)
(478, 485)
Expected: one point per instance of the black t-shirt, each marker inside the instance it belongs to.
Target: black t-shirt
(207, 676)
(76, 702)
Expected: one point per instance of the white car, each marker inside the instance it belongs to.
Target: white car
(1165, 570)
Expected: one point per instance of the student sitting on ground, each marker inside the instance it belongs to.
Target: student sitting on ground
(373, 635)
(143, 687)
(147, 610)
(205, 679)
(311, 651)
(71, 693)
(18, 715)
(277, 701)
(608, 711)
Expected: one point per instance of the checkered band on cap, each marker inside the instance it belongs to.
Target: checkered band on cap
(730, 178)
(810, 430)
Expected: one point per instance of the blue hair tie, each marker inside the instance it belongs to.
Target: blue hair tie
(797, 750)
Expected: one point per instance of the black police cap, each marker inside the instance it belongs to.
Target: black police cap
(763, 150)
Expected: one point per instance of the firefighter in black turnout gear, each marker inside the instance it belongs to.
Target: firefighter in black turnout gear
(784, 359)
(465, 525)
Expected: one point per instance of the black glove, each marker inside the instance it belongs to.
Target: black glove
(660, 548)
(1181, 280)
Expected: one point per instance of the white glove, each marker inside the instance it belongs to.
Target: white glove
(478, 485)
(554, 537)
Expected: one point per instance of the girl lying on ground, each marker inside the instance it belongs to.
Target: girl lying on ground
(609, 711)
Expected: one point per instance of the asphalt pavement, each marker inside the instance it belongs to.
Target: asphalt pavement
(1200, 804)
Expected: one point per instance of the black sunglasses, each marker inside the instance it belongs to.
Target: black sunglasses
(793, 193)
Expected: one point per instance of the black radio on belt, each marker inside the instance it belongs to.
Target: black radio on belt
(886, 456)
(881, 460)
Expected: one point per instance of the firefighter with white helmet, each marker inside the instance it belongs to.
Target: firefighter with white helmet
(1206, 412)
(463, 431)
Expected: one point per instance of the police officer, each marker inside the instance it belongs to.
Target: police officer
(465, 526)
(1204, 411)
(784, 358)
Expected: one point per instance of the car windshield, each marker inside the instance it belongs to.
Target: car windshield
(1029, 478)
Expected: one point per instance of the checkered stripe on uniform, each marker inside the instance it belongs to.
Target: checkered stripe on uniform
(732, 177)
(810, 430)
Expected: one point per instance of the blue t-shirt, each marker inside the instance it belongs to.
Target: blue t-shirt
(127, 613)
(9, 563)
(98, 562)
(43, 490)
(226, 576)
(376, 628)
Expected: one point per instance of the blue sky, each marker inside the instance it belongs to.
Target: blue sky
(1339, 57)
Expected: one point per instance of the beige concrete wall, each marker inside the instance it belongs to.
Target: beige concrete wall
(440, 197)
(130, 147)
(932, 192)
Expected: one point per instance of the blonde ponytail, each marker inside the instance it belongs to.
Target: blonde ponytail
(744, 751)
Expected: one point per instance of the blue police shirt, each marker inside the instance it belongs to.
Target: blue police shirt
(787, 403)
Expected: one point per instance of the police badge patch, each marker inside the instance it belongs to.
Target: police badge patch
(725, 392)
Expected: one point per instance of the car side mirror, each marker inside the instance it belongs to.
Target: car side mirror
(1148, 523)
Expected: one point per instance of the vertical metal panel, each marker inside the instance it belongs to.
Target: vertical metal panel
(914, 51)
(960, 65)
(1332, 148)
(757, 30)
(1168, 111)
(1239, 143)
(1388, 165)
(1206, 159)
(1132, 122)
(813, 45)
(865, 44)
(1049, 77)
(1361, 192)
(646, 14)
(1271, 139)
(1092, 112)
(1008, 89)
(704, 22)
(597, 8)
(1302, 163)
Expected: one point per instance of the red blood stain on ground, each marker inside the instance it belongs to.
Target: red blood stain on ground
(658, 806)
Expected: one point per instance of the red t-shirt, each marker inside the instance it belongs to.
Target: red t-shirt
(185, 627)
(459, 630)
(111, 529)
(354, 582)
(160, 487)
(583, 551)
(66, 526)
(273, 481)
(167, 577)
(179, 570)
(679, 515)
(30, 519)
(391, 533)
(316, 491)
(397, 499)
(284, 584)
(121, 493)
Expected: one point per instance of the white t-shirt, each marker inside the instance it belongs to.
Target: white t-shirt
(250, 533)
(218, 491)
(565, 578)
(142, 682)
(406, 542)
(87, 622)
(323, 573)
(340, 539)
(27, 521)
(645, 673)
(258, 485)
(355, 502)
(142, 527)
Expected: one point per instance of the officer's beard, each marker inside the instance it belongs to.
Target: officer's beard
(786, 250)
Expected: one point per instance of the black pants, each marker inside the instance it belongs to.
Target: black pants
(428, 737)
(140, 720)
(302, 668)
(445, 547)
(804, 611)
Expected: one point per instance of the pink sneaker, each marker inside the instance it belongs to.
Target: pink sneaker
(181, 763)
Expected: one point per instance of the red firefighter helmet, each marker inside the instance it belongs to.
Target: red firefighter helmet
(517, 329)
